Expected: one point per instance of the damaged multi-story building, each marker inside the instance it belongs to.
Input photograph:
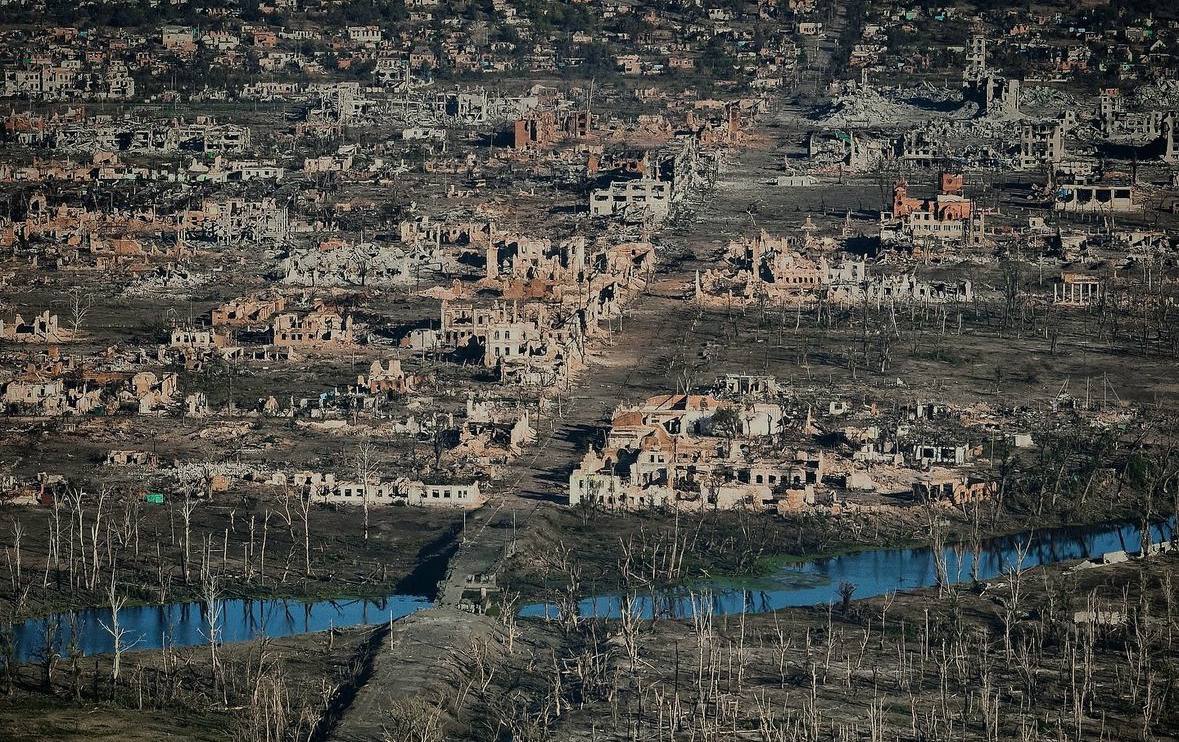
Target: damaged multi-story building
(669, 177)
(1041, 144)
(323, 328)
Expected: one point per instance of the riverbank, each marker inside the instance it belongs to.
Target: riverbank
(273, 686)
(866, 573)
(849, 652)
(602, 551)
(252, 549)
(1002, 660)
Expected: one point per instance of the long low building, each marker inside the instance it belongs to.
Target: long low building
(325, 488)
(1095, 198)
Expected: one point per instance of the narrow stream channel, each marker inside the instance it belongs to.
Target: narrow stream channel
(875, 572)
(814, 582)
(186, 624)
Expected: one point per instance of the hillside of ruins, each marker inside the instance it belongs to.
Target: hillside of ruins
(603, 370)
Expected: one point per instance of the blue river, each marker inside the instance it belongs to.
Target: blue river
(816, 582)
(186, 625)
(873, 573)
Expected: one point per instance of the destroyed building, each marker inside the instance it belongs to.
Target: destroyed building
(320, 329)
(947, 217)
(1041, 145)
(237, 220)
(1095, 198)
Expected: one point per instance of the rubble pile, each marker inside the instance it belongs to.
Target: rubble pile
(166, 277)
(368, 264)
(928, 93)
(866, 106)
(1046, 101)
(1158, 95)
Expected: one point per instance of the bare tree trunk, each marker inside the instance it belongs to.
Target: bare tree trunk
(117, 633)
(48, 651)
(186, 511)
(365, 470)
(305, 514)
(212, 595)
(262, 553)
